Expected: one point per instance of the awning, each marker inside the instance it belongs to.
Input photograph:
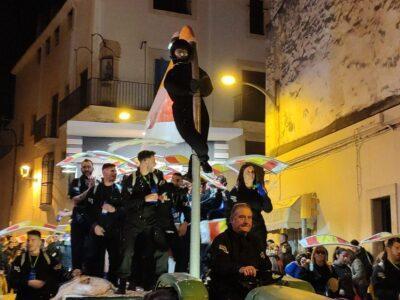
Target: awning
(288, 213)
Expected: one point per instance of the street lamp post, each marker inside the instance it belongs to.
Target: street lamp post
(231, 80)
(76, 62)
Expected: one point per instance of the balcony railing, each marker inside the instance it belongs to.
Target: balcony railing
(110, 93)
(41, 129)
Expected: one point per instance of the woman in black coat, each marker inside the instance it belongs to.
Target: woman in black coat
(248, 190)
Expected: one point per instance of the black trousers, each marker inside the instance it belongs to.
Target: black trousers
(97, 247)
(179, 250)
(145, 266)
(79, 235)
(183, 116)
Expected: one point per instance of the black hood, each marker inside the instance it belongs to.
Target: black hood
(180, 44)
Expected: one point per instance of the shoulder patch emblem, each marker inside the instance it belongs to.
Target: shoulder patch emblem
(223, 248)
(262, 255)
(90, 200)
(381, 275)
(233, 198)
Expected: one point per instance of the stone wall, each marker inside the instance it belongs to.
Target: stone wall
(330, 57)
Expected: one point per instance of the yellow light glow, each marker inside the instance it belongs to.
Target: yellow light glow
(228, 80)
(25, 171)
(124, 115)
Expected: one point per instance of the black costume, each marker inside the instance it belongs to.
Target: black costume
(386, 280)
(259, 201)
(181, 88)
(141, 222)
(79, 223)
(111, 223)
(319, 277)
(343, 272)
(42, 267)
(229, 252)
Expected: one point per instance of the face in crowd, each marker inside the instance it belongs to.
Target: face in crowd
(33, 243)
(242, 220)
(393, 252)
(343, 257)
(87, 168)
(149, 162)
(110, 174)
(320, 256)
(249, 176)
(177, 180)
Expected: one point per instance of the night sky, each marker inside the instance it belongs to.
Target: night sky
(20, 22)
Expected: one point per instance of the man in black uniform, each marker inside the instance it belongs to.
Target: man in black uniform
(142, 191)
(236, 258)
(105, 214)
(78, 190)
(386, 275)
(34, 274)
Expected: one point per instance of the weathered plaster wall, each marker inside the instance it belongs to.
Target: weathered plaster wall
(331, 57)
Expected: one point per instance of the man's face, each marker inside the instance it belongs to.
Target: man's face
(87, 168)
(242, 220)
(110, 174)
(177, 180)
(150, 163)
(33, 243)
(394, 252)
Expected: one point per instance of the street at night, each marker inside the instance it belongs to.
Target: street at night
(200, 149)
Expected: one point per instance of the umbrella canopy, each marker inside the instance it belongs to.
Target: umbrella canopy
(269, 164)
(379, 237)
(133, 142)
(123, 164)
(323, 240)
(25, 226)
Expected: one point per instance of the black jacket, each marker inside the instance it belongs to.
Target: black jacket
(319, 277)
(96, 197)
(345, 280)
(229, 252)
(257, 202)
(386, 280)
(77, 187)
(46, 268)
(134, 190)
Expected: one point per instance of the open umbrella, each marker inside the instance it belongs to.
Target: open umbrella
(269, 164)
(379, 237)
(133, 142)
(25, 226)
(323, 240)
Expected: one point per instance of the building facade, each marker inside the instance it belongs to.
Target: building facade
(97, 57)
(335, 119)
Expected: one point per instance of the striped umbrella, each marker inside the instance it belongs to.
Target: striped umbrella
(25, 226)
(323, 240)
(269, 164)
(379, 237)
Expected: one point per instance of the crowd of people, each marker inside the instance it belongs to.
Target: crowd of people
(125, 232)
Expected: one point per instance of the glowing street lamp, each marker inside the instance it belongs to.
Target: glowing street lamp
(124, 115)
(229, 80)
(25, 171)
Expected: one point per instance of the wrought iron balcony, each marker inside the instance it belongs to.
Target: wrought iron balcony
(110, 93)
